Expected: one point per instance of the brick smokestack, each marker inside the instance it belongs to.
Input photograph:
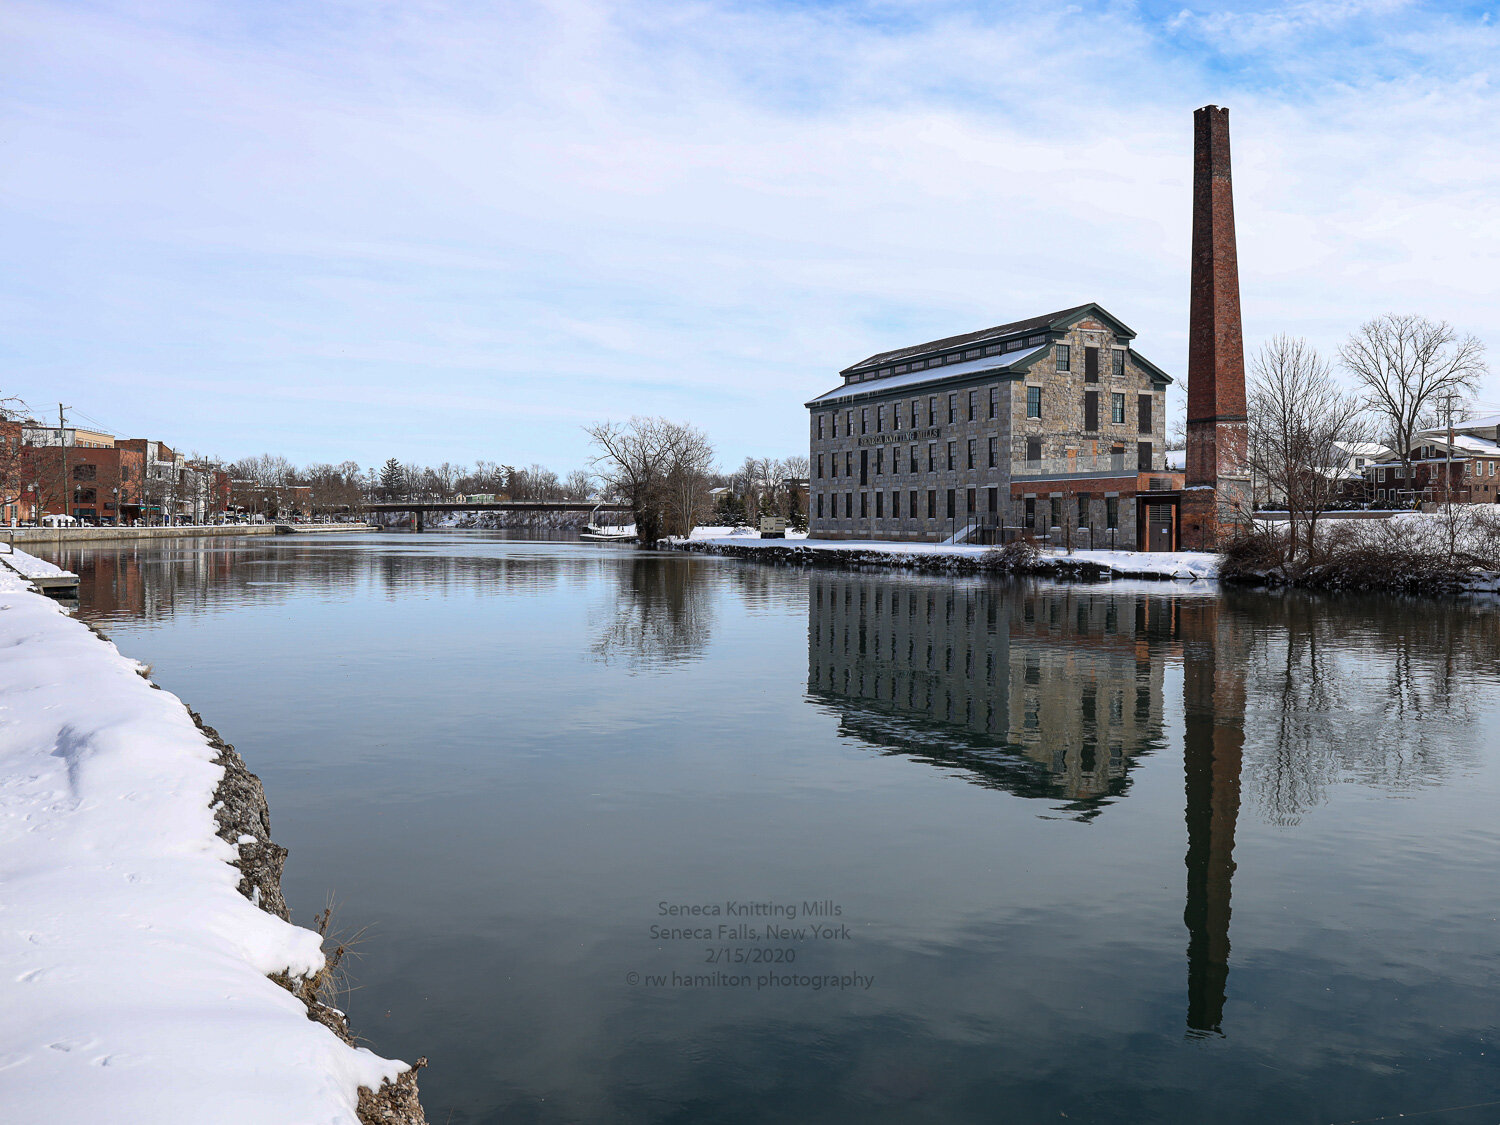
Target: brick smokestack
(1218, 490)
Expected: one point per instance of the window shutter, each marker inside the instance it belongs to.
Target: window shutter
(1091, 408)
(1090, 365)
(1143, 457)
(1144, 404)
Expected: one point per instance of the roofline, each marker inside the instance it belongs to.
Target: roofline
(1060, 321)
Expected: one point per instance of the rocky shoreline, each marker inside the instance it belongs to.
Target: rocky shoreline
(148, 968)
(1082, 566)
(243, 818)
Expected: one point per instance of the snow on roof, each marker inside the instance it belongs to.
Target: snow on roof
(931, 375)
(1364, 448)
(1483, 421)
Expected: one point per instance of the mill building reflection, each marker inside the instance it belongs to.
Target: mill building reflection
(1051, 692)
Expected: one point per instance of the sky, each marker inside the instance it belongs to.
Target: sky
(463, 231)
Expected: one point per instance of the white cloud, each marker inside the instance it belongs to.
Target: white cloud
(560, 211)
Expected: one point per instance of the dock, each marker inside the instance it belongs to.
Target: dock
(44, 577)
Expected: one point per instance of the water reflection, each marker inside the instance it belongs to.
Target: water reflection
(1213, 738)
(663, 612)
(1043, 692)
(985, 773)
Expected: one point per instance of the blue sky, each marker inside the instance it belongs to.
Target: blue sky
(463, 231)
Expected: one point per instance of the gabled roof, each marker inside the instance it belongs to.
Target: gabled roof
(1008, 363)
(1055, 321)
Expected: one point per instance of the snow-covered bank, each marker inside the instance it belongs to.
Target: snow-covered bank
(1182, 565)
(135, 976)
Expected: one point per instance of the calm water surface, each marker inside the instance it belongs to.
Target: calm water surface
(1035, 853)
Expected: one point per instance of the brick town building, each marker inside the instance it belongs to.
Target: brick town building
(1052, 425)
(1463, 470)
(93, 483)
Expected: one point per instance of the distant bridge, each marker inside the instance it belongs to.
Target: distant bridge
(419, 508)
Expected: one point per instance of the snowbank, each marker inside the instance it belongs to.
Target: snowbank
(29, 566)
(1183, 565)
(134, 976)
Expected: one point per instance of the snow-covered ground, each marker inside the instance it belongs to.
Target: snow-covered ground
(133, 974)
(1191, 565)
(29, 566)
(738, 534)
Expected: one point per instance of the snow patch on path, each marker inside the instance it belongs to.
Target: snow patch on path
(133, 975)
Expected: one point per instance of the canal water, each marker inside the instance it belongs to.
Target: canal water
(643, 838)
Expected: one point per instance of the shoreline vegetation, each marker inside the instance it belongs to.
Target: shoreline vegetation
(120, 805)
(1438, 554)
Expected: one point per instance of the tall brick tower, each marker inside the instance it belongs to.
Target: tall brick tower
(1217, 495)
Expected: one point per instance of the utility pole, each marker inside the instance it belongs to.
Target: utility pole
(1448, 459)
(62, 441)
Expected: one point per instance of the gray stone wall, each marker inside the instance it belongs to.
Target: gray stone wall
(1060, 430)
(893, 460)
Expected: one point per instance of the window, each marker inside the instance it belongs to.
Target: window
(1057, 511)
(1117, 362)
(994, 452)
(1090, 410)
(880, 419)
(932, 456)
(1112, 512)
(994, 499)
(864, 419)
(895, 416)
(820, 427)
(952, 409)
(1143, 407)
(895, 505)
(848, 462)
(1090, 365)
(848, 423)
(820, 466)
(1143, 457)
(972, 444)
(864, 505)
(1083, 512)
(1117, 409)
(912, 505)
(973, 406)
(932, 412)
(952, 503)
(848, 505)
(834, 464)
(915, 422)
(1031, 511)
(879, 462)
(1380, 475)
(820, 505)
(880, 505)
(1033, 402)
(85, 472)
(1033, 449)
(932, 503)
(952, 455)
(994, 402)
(864, 467)
(1064, 357)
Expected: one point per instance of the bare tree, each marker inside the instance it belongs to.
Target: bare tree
(578, 485)
(660, 467)
(1408, 367)
(1298, 417)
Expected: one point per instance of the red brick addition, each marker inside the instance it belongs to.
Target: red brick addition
(1215, 500)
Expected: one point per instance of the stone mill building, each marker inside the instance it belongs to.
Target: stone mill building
(1053, 425)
